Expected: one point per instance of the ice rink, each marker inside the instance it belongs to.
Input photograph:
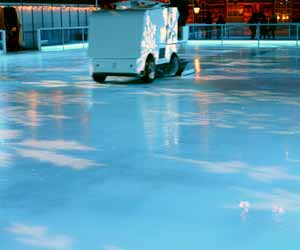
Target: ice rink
(207, 161)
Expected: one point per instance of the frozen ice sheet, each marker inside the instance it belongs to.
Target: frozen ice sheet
(204, 161)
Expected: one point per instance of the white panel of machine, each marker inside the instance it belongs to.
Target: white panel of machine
(116, 34)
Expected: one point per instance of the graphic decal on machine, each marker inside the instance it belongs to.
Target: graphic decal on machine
(148, 44)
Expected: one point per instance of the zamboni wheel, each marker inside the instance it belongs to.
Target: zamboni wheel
(100, 78)
(174, 66)
(149, 71)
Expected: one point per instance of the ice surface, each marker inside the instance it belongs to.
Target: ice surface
(204, 161)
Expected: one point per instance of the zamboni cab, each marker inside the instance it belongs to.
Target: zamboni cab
(134, 41)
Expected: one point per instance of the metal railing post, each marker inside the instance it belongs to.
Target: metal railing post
(258, 35)
(63, 43)
(82, 37)
(289, 31)
(39, 45)
(63, 38)
(222, 37)
(297, 34)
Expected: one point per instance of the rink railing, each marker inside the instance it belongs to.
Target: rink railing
(245, 34)
(2, 41)
(231, 34)
(62, 38)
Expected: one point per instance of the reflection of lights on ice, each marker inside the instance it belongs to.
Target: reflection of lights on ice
(245, 205)
(197, 67)
(148, 44)
(278, 209)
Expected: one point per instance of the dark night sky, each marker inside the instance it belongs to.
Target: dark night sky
(90, 1)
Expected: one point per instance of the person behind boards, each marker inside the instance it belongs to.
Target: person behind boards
(220, 26)
(208, 28)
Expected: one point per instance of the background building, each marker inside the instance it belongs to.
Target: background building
(242, 10)
(21, 19)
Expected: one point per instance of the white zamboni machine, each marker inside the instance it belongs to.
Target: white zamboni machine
(134, 40)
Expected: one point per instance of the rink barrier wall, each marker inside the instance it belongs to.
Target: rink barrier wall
(240, 34)
(205, 35)
(61, 38)
(33, 16)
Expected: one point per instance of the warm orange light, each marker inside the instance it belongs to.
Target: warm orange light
(196, 10)
(54, 8)
(197, 67)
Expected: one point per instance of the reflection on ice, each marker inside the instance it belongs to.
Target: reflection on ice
(244, 205)
(112, 247)
(278, 209)
(54, 145)
(174, 150)
(258, 173)
(57, 159)
(38, 236)
(53, 84)
(5, 159)
(9, 134)
(277, 201)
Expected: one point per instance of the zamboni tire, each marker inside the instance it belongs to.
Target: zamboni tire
(100, 78)
(174, 67)
(149, 71)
